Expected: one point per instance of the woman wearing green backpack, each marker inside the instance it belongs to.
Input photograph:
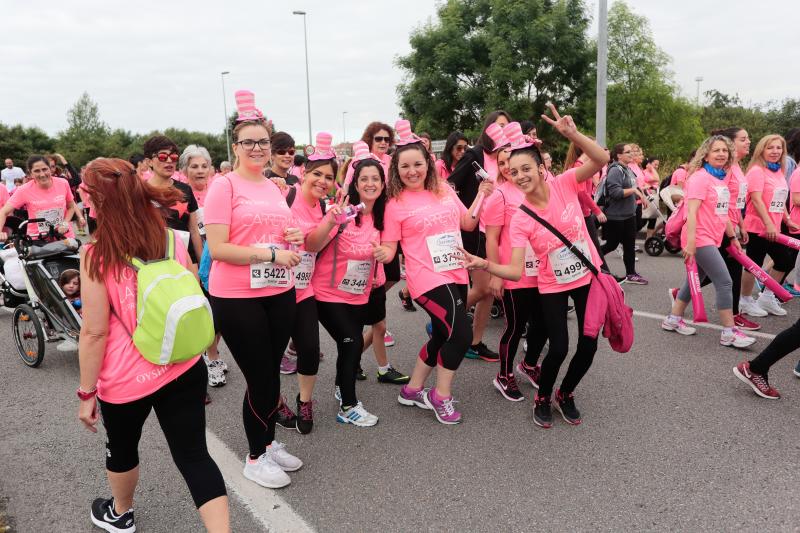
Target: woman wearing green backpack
(115, 375)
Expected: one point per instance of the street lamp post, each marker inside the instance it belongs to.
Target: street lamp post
(698, 79)
(225, 110)
(344, 127)
(602, 73)
(308, 85)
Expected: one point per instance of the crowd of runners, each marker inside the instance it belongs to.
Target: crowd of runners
(283, 242)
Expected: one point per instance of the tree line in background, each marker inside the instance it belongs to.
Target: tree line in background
(481, 55)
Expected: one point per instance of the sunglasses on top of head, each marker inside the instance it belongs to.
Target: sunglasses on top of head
(283, 151)
(173, 157)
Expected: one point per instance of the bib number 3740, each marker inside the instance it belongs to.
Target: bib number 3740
(444, 251)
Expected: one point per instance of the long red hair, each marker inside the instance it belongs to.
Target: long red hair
(129, 221)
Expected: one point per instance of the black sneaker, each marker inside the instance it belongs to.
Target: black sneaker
(484, 352)
(408, 303)
(305, 416)
(542, 411)
(566, 406)
(286, 417)
(393, 376)
(507, 385)
(360, 375)
(102, 515)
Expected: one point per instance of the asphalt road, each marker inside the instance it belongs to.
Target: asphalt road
(671, 440)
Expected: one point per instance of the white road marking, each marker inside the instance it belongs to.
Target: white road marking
(266, 505)
(706, 325)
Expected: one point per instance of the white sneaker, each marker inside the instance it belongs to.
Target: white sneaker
(678, 326)
(216, 374)
(288, 462)
(337, 393)
(266, 472)
(770, 304)
(736, 338)
(749, 307)
(357, 415)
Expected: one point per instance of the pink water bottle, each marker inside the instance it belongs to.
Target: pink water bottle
(350, 213)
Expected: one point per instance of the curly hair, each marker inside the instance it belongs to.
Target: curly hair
(758, 153)
(396, 185)
(373, 128)
(702, 152)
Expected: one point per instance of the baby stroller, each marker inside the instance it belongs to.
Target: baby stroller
(29, 285)
(655, 245)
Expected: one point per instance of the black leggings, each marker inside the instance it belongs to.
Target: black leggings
(591, 225)
(452, 333)
(624, 232)
(305, 335)
(181, 412)
(782, 345)
(256, 331)
(734, 269)
(345, 323)
(758, 248)
(521, 306)
(558, 332)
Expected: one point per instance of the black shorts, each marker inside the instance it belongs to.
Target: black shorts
(375, 310)
(213, 315)
(392, 268)
(474, 242)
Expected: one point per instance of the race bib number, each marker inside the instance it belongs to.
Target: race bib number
(531, 261)
(444, 251)
(723, 200)
(304, 270)
(54, 216)
(566, 266)
(184, 236)
(355, 279)
(776, 205)
(201, 226)
(268, 275)
(742, 195)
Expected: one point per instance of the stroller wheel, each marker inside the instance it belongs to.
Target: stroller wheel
(28, 335)
(654, 246)
(496, 310)
(671, 249)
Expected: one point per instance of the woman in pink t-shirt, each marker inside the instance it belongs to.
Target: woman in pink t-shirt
(45, 197)
(521, 302)
(250, 231)
(707, 221)
(454, 149)
(561, 274)
(114, 375)
(765, 210)
(425, 217)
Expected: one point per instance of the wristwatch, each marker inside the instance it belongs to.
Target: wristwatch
(83, 395)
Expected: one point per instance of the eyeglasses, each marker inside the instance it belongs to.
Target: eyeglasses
(165, 157)
(290, 151)
(460, 147)
(381, 139)
(250, 144)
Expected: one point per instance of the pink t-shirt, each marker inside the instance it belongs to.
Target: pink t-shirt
(713, 212)
(180, 176)
(774, 193)
(794, 186)
(200, 196)
(428, 227)
(650, 178)
(50, 203)
(641, 180)
(498, 210)
(738, 188)
(125, 375)
(4, 196)
(352, 279)
(308, 218)
(490, 164)
(441, 169)
(559, 269)
(678, 177)
(257, 215)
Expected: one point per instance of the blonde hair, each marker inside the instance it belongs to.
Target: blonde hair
(500, 178)
(241, 125)
(758, 153)
(701, 153)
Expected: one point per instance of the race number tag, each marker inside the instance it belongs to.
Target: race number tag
(742, 195)
(444, 252)
(531, 261)
(723, 200)
(776, 205)
(54, 216)
(184, 236)
(355, 279)
(566, 266)
(304, 270)
(268, 275)
(201, 226)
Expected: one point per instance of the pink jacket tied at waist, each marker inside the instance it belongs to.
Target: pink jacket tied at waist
(606, 308)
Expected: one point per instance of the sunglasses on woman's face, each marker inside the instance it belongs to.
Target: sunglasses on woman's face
(161, 156)
(290, 151)
(381, 139)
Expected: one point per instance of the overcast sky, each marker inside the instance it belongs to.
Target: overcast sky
(155, 64)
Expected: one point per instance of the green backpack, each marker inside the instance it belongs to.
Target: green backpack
(173, 318)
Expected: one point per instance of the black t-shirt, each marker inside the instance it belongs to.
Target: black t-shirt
(290, 179)
(179, 213)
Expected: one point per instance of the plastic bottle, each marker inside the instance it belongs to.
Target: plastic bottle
(350, 212)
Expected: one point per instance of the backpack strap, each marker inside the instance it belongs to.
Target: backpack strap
(169, 252)
(572, 248)
(290, 197)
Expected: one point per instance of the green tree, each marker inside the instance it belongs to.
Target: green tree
(85, 136)
(19, 142)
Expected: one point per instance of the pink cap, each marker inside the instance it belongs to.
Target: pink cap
(514, 135)
(246, 106)
(404, 134)
(322, 149)
(495, 133)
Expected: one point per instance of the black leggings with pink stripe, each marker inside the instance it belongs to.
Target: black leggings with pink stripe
(520, 306)
(452, 333)
(256, 331)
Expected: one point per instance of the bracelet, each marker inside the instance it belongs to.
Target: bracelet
(487, 265)
(86, 395)
(272, 249)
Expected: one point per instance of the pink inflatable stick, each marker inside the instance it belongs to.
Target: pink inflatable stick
(749, 265)
(698, 305)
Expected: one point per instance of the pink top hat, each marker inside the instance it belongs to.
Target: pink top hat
(322, 149)
(517, 140)
(361, 152)
(246, 106)
(404, 134)
(496, 134)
